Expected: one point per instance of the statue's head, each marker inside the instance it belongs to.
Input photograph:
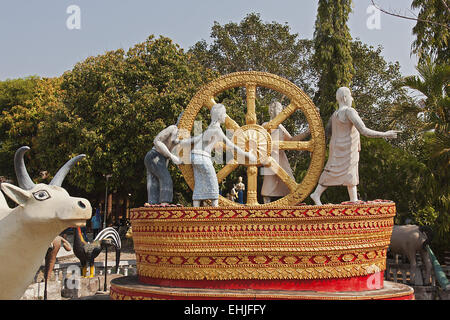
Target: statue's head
(275, 107)
(42, 203)
(218, 113)
(344, 96)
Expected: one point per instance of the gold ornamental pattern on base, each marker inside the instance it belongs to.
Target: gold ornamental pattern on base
(302, 242)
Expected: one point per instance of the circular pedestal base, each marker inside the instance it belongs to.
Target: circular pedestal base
(264, 248)
(362, 283)
(129, 288)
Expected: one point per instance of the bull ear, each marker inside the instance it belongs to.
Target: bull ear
(16, 194)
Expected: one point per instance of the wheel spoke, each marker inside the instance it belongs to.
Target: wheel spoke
(293, 145)
(226, 170)
(252, 185)
(282, 174)
(283, 115)
(230, 124)
(250, 117)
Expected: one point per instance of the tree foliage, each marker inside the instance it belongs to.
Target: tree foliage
(113, 105)
(24, 102)
(433, 142)
(432, 38)
(254, 45)
(376, 88)
(332, 53)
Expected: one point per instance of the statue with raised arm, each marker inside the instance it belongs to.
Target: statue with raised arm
(272, 185)
(159, 182)
(206, 186)
(342, 166)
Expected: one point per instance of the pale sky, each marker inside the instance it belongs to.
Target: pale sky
(35, 39)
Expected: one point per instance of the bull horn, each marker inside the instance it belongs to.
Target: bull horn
(23, 178)
(61, 174)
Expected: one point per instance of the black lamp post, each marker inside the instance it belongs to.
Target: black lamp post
(107, 176)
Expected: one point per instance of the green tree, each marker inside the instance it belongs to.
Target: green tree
(376, 88)
(332, 53)
(433, 84)
(15, 92)
(113, 106)
(23, 105)
(254, 45)
(432, 147)
(432, 30)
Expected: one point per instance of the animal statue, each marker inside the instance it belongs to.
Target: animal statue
(50, 258)
(410, 239)
(123, 228)
(42, 212)
(87, 251)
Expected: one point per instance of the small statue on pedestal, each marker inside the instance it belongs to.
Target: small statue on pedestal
(342, 166)
(240, 187)
(232, 195)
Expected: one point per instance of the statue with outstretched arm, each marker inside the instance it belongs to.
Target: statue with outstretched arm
(206, 186)
(159, 182)
(342, 165)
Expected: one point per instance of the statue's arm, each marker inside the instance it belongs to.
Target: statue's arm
(161, 147)
(191, 140)
(307, 132)
(353, 116)
(301, 136)
(288, 137)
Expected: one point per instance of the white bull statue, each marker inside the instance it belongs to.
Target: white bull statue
(26, 231)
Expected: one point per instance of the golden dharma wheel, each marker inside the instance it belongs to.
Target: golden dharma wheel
(257, 138)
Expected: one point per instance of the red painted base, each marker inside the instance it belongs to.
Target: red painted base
(362, 283)
(129, 288)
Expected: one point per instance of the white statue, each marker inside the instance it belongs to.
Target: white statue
(26, 231)
(240, 188)
(206, 186)
(159, 182)
(233, 193)
(273, 186)
(342, 166)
